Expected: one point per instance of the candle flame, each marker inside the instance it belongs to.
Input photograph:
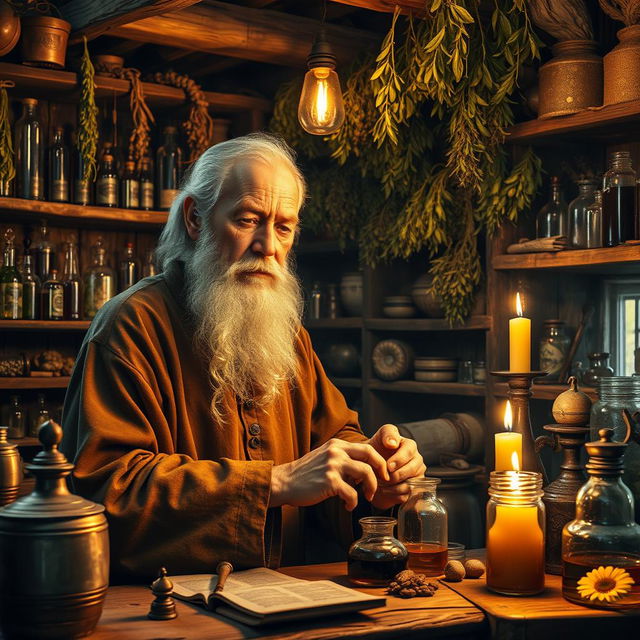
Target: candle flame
(515, 461)
(518, 305)
(508, 417)
(513, 475)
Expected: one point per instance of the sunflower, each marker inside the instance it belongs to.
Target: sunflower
(605, 583)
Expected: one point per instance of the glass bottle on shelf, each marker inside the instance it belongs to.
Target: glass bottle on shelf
(107, 183)
(578, 229)
(168, 168)
(149, 266)
(30, 289)
(99, 281)
(52, 297)
(45, 256)
(39, 416)
(15, 418)
(552, 218)
(333, 306)
(130, 187)
(129, 268)
(376, 557)
(147, 189)
(554, 347)
(29, 153)
(10, 281)
(594, 221)
(58, 168)
(601, 547)
(71, 282)
(81, 185)
(598, 369)
(618, 200)
(315, 302)
(422, 527)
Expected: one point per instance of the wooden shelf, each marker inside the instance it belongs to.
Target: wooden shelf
(544, 391)
(354, 383)
(334, 323)
(79, 214)
(613, 258)
(59, 382)
(36, 82)
(426, 324)
(49, 325)
(25, 442)
(444, 388)
(602, 122)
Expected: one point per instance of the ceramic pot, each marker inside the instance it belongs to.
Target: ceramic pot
(392, 359)
(622, 67)
(44, 41)
(342, 360)
(107, 65)
(351, 293)
(9, 28)
(426, 302)
(572, 80)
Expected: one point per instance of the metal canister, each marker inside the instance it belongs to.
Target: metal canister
(54, 554)
(10, 469)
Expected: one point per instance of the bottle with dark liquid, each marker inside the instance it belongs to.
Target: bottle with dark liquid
(52, 297)
(376, 558)
(29, 153)
(30, 289)
(81, 184)
(107, 182)
(45, 256)
(551, 220)
(130, 187)
(618, 201)
(71, 282)
(58, 168)
(422, 527)
(10, 281)
(147, 190)
(129, 268)
(168, 169)
(601, 547)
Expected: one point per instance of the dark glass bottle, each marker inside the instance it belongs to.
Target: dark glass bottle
(552, 218)
(130, 187)
(81, 186)
(99, 281)
(29, 153)
(107, 183)
(52, 297)
(129, 268)
(71, 282)
(146, 185)
(30, 289)
(10, 281)
(618, 200)
(148, 267)
(168, 169)
(46, 257)
(58, 168)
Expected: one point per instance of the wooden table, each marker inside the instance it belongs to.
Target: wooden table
(446, 615)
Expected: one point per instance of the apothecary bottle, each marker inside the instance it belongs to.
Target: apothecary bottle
(594, 221)
(601, 547)
(52, 298)
(422, 527)
(30, 289)
(598, 368)
(10, 281)
(147, 190)
(618, 200)
(58, 168)
(71, 283)
(107, 183)
(168, 168)
(315, 302)
(39, 416)
(99, 282)
(45, 253)
(376, 557)
(554, 347)
(129, 268)
(333, 305)
(130, 187)
(15, 418)
(577, 211)
(29, 153)
(552, 218)
(148, 266)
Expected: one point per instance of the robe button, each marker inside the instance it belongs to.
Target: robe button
(254, 442)
(254, 429)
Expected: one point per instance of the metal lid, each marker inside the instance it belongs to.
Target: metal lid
(605, 456)
(50, 499)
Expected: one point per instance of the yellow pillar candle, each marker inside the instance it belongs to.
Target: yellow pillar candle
(519, 341)
(507, 443)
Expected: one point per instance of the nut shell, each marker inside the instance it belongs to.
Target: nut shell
(454, 571)
(572, 407)
(474, 568)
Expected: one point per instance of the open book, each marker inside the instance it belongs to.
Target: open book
(262, 596)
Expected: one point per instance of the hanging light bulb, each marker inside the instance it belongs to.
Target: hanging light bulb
(321, 110)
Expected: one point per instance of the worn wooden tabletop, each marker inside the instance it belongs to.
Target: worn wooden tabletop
(447, 614)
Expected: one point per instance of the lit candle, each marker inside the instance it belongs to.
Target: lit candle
(515, 543)
(519, 341)
(507, 443)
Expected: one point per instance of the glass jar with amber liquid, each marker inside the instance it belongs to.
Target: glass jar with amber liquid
(376, 558)
(422, 527)
(601, 547)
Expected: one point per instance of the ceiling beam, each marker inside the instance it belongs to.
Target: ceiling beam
(251, 34)
(387, 6)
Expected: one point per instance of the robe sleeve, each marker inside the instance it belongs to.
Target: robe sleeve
(162, 508)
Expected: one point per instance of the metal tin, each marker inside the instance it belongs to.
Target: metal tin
(10, 469)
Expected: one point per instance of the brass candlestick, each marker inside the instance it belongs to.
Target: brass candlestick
(519, 394)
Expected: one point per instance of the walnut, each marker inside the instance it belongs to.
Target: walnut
(67, 366)
(408, 584)
(474, 568)
(454, 571)
(47, 361)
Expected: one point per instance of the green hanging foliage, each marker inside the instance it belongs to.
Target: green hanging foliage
(7, 168)
(419, 163)
(87, 117)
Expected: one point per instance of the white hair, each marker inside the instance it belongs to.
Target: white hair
(204, 180)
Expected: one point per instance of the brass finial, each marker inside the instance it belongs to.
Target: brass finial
(163, 606)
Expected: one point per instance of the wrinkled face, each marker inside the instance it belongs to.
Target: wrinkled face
(256, 215)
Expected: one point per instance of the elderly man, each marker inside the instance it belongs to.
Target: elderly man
(198, 412)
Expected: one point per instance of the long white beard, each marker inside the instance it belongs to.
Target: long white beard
(246, 325)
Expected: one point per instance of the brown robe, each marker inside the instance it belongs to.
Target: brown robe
(179, 489)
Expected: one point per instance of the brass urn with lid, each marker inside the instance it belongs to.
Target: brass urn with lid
(54, 553)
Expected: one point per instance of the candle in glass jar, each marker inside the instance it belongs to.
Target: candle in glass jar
(519, 341)
(507, 443)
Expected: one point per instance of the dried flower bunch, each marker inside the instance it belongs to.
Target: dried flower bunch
(408, 584)
(627, 11)
(87, 116)
(562, 19)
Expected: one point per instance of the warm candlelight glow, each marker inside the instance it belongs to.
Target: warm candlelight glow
(515, 461)
(508, 417)
(519, 341)
(518, 305)
(508, 444)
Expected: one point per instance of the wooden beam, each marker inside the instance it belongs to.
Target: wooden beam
(250, 34)
(94, 17)
(387, 6)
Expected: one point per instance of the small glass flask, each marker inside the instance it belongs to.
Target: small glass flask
(58, 168)
(618, 200)
(149, 266)
(465, 372)
(601, 547)
(39, 417)
(552, 218)
(129, 268)
(376, 558)
(15, 418)
(30, 289)
(515, 533)
(594, 221)
(578, 213)
(598, 369)
(422, 527)
(71, 282)
(333, 306)
(315, 302)
(554, 347)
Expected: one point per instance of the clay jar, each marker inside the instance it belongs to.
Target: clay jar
(622, 67)
(351, 293)
(572, 80)
(428, 303)
(342, 360)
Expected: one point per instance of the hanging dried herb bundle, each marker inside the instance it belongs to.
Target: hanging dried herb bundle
(7, 168)
(87, 140)
(562, 19)
(627, 11)
(199, 125)
(420, 162)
